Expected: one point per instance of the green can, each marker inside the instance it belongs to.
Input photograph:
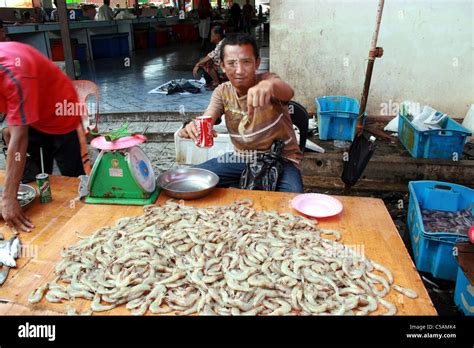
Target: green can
(42, 180)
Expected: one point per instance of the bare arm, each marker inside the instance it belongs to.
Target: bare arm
(281, 90)
(203, 61)
(200, 64)
(16, 159)
(261, 94)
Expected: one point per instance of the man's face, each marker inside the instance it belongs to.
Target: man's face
(240, 65)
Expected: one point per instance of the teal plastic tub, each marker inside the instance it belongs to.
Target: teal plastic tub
(447, 143)
(434, 252)
(464, 294)
(337, 117)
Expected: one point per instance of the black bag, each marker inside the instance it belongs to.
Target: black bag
(180, 86)
(264, 171)
(360, 153)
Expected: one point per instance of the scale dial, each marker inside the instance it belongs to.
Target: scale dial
(141, 168)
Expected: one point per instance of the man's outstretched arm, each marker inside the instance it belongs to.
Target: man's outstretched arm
(262, 93)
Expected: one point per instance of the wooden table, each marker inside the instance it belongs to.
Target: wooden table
(365, 223)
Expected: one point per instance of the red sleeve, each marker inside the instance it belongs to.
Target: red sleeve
(21, 95)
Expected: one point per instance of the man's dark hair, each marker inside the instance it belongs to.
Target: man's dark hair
(240, 39)
(218, 30)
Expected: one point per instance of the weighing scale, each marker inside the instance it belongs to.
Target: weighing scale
(122, 173)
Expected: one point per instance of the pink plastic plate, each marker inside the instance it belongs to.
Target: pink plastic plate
(316, 205)
(121, 143)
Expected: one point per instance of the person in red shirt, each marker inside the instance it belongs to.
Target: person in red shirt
(42, 111)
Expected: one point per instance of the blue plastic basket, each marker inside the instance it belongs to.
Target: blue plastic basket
(81, 52)
(433, 252)
(463, 295)
(337, 117)
(152, 39)
(110, 45)
(443, 144)
(105, 46)
(123, 44)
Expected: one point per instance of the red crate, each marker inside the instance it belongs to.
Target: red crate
(186, 32)
(140, 37)
(57, 51)
(161, 38)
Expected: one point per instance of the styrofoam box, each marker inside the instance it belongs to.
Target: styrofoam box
(188, 153)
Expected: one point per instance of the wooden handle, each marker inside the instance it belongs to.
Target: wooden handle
(377, 25)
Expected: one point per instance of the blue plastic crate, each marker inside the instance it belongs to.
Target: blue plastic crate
(464, 293)
(81, 52)
(337, 117)
(110, 45)
(433, 252)
(105, 46)
(443, 144)
(123, 44)
(152, 39)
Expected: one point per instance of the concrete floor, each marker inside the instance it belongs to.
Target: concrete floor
(124, 87)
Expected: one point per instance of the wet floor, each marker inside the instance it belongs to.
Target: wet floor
(124, 82)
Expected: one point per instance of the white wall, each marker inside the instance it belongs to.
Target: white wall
(321, 47)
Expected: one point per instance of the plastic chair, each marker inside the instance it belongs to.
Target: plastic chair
(84, 89)
(300, 118)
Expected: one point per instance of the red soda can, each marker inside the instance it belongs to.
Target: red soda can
(204, 126)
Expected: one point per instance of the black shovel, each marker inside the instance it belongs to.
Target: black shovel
(363, 147)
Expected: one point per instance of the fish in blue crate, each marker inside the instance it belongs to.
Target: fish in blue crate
(448, 221)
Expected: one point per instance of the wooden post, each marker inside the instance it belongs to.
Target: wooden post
(375, 52)
(66, 39)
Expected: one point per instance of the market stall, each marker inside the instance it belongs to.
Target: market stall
(364, 222)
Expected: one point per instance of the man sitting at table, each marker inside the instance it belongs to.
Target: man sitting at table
(263, 100)
(42, 111)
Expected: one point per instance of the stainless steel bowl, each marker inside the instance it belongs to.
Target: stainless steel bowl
(26, 195)
(187, 183)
